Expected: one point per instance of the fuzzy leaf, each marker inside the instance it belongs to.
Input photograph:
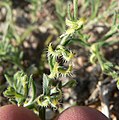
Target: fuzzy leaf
(21, 89)
(46, 89)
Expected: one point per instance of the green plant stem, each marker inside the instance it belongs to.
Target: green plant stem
(106, 44)
(107, 37)
(42, 112)
(73, 40)
(75, 3)
(94, 8)
(69, 12)
(99, 58)
(108, 12)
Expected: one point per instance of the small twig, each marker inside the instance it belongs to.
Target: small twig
(104, 97)
(93, 96)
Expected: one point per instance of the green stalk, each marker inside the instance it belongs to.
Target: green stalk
(69, 12)
(99, 58)
(75, 3)
(42, 112)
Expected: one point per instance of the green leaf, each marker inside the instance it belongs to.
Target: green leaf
(21, 89)
(46, 88)
(70, 84)
(118, 84)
